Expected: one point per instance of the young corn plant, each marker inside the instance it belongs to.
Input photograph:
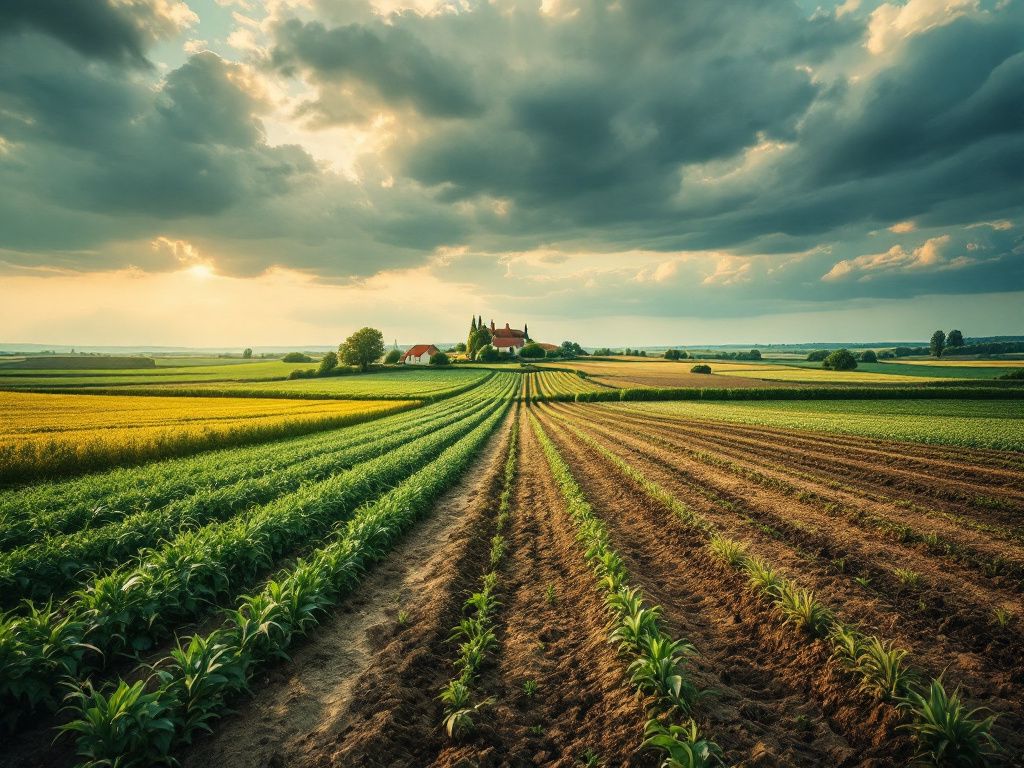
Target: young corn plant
(459, 710)
(131, 726)
(730, 551)
(799, 607)
(682, 745)
(883, 669)
(947, 732)
(660, 671)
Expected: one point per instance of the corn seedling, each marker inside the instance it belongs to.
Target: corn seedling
(946, 732)
(883, 669)
(530, 688)
(730, 551)
(907, 578)
(549, 594)
(681, 745)
(799, 607)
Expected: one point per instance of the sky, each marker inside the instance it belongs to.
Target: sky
(615, 172)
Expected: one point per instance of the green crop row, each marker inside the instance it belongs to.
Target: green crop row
(56, 563)
(790, 393)
(475, 632)
(66, 506)
(135, 606)
(657, 662)
(944, 729)
(137, 725)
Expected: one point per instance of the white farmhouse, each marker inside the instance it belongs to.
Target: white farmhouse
(419, 354)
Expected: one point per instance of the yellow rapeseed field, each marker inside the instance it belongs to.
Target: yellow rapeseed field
(45, 435)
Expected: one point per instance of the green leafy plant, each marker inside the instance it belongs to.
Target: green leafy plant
(729, 551)
(129, 724)
(799, 607)
(682, 745)
(946, 731)
(530, 688)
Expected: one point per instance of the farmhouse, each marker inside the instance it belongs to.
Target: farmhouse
(507, 339)
(419, 354)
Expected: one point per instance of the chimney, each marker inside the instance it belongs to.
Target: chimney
(492, 327)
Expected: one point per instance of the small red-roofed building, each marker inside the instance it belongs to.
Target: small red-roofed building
(418, 354)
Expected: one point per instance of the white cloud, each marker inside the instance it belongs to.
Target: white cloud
(902, 227)
(891, 23)
(929, 256)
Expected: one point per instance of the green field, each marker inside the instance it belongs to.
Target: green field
(977, 423)
(191, 370)
(931, 371)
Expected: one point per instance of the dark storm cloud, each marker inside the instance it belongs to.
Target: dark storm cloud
(396, 65)
(96, 28)
(750, 127)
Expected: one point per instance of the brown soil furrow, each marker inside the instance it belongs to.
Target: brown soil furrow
(1000, 563)
(988, 464)
(583, 700)
(809, 451)
(304, 710)
(773, 700)
(947, 633)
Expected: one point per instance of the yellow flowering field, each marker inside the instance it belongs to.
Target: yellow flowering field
(45, 435)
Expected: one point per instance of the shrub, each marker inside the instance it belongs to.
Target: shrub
(701, 368)
(532, 351)
(296, 357)
(392, 357)
(818, 355)
(1013, 375)
(327, 364)
(887, 355)
(553, 354)
(487, 354)
(671, 354)
(840, 360)
(302, 373)
(868, 356)
(439, 358)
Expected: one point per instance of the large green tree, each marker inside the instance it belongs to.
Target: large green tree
(938, 343)
(954, 339)
(327, 364)
(840, 360)
(362, 348)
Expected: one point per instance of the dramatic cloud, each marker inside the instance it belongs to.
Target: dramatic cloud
(638, 158)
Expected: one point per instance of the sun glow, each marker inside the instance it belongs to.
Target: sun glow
(200, 271)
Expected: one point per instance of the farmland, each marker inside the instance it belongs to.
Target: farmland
(494, 577)
(45, 435)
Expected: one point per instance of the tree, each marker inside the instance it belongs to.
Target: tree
(247, 354)
(480, 339)
(955, 339)
(701, 368)
(938, 343)
(460, 347)
(755, 354)
(818, 355)
(327, 364)
(671, 354)
(868, 356)
(439, 358)
(532, 351)
(362, 348)
(553, 354)
(840, 360)
(571, 349)
(526, 332)
(296, 357)
(392, 357)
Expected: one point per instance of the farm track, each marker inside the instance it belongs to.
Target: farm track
(984, 546)
(951, 630)
(907, 467)
(358, 668)
(773, 699)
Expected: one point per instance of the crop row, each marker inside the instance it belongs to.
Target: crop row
(658, 664)
(52, 565)
(63, 507)
(790, 393)
(139, 724)
(94, 433)
(135, 606)
(475, 632)
(944, 729)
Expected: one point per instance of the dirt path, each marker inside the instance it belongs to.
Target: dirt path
(774, 699)
(299, 709)
(583, 701)
(939, 636)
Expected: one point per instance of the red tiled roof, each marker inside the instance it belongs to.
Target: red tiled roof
(420, 349)
(503, 342)
(547, 347)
